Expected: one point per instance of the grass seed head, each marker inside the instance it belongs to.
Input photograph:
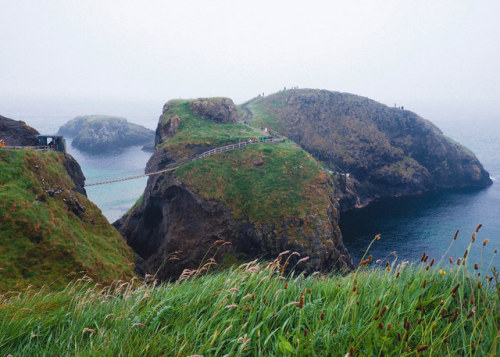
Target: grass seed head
(422, 348)
(456, 234)
(485, 242)
(478, 228)
(473, 237)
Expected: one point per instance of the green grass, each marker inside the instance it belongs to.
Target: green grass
(195, 131)
(262, 118)
(262, 182)
(44, 237)
(256, 310)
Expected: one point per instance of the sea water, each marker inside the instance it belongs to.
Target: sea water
(412, 225)
(113, 199)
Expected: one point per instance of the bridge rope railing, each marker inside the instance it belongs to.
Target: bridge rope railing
(208, 153)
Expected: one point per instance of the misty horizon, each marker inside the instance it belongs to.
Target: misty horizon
(438, 60)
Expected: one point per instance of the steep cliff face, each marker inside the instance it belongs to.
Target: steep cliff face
(105, 133)
(386, 151)
(253, 202)
(17, 133)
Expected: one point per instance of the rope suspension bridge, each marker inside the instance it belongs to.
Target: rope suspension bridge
(208, 153)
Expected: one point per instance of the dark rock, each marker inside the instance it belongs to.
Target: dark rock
(75, 172)
(166, 130)
(220, 110)
(17, 133)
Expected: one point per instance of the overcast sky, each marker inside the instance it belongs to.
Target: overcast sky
(60, 57)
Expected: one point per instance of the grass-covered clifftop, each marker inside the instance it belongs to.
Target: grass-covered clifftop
(262, 182)
(48, 231)
(261, 199)
(191, 131)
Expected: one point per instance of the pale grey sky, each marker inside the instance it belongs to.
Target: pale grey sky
(60, 57)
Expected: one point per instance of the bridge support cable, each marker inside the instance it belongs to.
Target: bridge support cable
(208, 153)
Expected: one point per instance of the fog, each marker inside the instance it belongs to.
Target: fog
(65, 58)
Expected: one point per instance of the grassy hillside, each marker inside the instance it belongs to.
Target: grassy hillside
(254, 310)
(49, 232)
(262, 182)
(389, 151)
(194, 131)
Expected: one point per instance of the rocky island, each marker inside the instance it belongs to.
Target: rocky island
(374, 151)
(253, 202)
(96, 133)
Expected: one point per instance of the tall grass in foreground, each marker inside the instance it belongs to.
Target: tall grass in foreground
(399, 309)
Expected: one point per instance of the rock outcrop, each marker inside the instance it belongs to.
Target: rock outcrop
(374, 151)
(255, 202)
(98, 133)
(219, 110)
(17, 133)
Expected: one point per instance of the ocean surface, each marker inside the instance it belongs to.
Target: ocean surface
(412, 225)
(113, 199)
(408, 226)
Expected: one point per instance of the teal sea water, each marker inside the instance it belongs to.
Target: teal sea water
(408, 226)
(412, 225)
(113, 199)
